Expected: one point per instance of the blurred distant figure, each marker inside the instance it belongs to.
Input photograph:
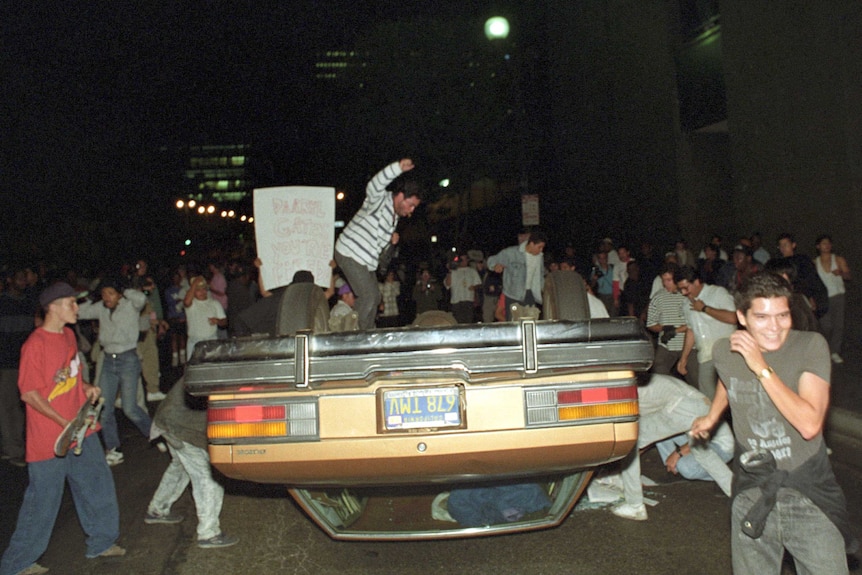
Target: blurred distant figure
(390, 289)
(807, 279)
(427, 293)
(833, 271)
(17, 315)
(462, 281)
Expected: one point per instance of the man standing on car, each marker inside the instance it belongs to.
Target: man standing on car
(53, 390)
(371, 231)
(776, 382)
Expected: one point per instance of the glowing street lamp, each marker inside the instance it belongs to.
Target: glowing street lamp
(496, 28)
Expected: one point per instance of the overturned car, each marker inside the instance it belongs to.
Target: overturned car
(426, 432)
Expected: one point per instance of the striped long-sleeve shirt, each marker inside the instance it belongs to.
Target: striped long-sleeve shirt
(371, 229)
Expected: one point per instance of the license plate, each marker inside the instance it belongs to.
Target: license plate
(423, 407)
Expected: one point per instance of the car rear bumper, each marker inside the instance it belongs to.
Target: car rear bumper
(426, 458)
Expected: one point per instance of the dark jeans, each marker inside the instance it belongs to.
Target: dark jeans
(120, 373)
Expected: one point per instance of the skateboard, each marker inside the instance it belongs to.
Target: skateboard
(74, 432)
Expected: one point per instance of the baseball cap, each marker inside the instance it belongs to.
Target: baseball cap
(56, 291)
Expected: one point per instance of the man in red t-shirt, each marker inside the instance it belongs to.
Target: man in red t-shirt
(52, 388)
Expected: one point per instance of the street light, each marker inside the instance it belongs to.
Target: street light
(496, 28)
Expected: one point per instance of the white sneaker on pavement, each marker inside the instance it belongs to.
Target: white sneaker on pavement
(114, 457)
(629, 511)
(113, 551)
(155, 396)
(220, 540)
(34, 569)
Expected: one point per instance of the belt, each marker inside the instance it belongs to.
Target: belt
(116, 355)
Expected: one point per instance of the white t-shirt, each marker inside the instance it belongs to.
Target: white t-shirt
(597, 308)
(197, 318)
(461, 280)
(708, 330)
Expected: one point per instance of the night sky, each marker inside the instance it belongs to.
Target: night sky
(92, 89)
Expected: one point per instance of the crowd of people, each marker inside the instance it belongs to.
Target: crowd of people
(125, 335)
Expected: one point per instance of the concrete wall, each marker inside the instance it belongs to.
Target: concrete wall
(790, 160)
(794, 79)
(793, 74)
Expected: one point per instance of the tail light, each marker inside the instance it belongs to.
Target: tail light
(561, 404)
(241, 422)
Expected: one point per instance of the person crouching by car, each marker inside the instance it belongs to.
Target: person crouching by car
(181, 421)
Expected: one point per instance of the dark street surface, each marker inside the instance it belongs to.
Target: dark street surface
(687, 532)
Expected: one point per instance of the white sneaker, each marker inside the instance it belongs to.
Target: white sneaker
(114, 457)
(34, 569)
(837, 358)
(155, 396)
(629, 511)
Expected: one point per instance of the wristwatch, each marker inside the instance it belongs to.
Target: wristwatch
(764, 373)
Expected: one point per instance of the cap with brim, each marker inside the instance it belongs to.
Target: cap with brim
(344, 289)
(56, 291)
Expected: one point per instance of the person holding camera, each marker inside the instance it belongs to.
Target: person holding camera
(666, 319)
(427, 293)
(602, 282)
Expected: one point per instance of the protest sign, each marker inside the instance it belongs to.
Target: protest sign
(294, 228)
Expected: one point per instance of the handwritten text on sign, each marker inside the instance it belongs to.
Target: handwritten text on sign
(294, 227)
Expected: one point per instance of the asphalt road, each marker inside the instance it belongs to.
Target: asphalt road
(687, 532)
